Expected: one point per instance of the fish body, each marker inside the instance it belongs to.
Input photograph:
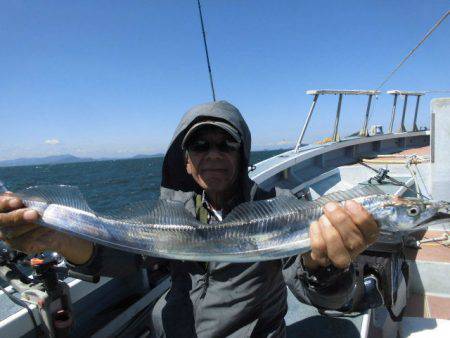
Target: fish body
(253, 231)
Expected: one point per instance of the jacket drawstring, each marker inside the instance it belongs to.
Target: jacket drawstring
(205, 280)
(202, 216)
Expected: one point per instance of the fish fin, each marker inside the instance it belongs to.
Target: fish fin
(173, 213)
(66, 195)
(343, 195)
(138, 213)
(249, 211)
(162, 212)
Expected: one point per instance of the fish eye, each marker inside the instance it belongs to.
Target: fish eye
(413, 211)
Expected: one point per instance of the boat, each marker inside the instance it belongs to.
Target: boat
(402, 161)
(406, 161)
(416, 162)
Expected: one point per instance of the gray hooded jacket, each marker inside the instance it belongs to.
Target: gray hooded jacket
(221, 299)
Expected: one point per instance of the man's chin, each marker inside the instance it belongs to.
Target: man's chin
(216, 188)
(216, 178)
(217, 185)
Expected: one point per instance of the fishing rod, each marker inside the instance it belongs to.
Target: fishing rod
(206, 51)
(436, 25)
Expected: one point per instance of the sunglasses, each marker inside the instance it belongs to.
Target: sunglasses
(203, 146)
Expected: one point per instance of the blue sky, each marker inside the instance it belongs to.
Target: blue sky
(113, 78)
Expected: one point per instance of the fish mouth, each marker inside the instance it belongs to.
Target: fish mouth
(439, 218)
(442, 214)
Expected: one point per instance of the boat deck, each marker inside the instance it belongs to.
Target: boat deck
(317, 170)
(430, 297)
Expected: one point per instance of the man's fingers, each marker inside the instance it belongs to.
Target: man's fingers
(30, 215)
(351, 236)
(8, 203)
(336, 249)
(18, 217)
(318, 245)
(22, 216)
(365, 222)
(7, 193)
(16, 223)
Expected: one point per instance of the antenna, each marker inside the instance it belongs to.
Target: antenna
(206, 51)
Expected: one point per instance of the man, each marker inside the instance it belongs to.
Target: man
(205, 168)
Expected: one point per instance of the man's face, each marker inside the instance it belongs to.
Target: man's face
(211, 162)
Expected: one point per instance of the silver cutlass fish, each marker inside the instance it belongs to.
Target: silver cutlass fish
(253, 231)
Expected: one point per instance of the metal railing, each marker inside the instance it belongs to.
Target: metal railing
(370, 93)
(405, 94)
(341, 93)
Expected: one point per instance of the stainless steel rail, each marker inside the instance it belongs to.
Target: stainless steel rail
(405, 94)
(341, 93)
(370, 93)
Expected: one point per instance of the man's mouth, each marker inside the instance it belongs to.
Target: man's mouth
(214, 170)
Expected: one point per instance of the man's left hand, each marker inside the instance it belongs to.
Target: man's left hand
(340, 235)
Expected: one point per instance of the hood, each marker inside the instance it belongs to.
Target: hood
(174, 175)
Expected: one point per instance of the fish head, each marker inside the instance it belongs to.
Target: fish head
(400, 214)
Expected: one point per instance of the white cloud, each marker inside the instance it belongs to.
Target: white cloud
(283, 143)
(280, 143)
(52, 141)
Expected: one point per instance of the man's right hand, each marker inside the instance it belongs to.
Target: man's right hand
(19, 230)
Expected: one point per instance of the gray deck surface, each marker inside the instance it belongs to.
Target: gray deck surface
(305, 321)
(301, 320)
(7, 307)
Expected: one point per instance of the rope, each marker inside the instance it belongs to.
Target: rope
(437, 91)
(413, 173)
(382, 176)
(423, 182)
(436, 25)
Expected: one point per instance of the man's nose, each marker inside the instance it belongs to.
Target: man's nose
(214, 153)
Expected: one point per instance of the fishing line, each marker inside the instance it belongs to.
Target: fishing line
(436, 25)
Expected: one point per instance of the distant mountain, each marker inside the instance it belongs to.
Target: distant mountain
(44, 160)
(146, 156)
(67, 158)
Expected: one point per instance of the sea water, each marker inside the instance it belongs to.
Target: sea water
(106, 185)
